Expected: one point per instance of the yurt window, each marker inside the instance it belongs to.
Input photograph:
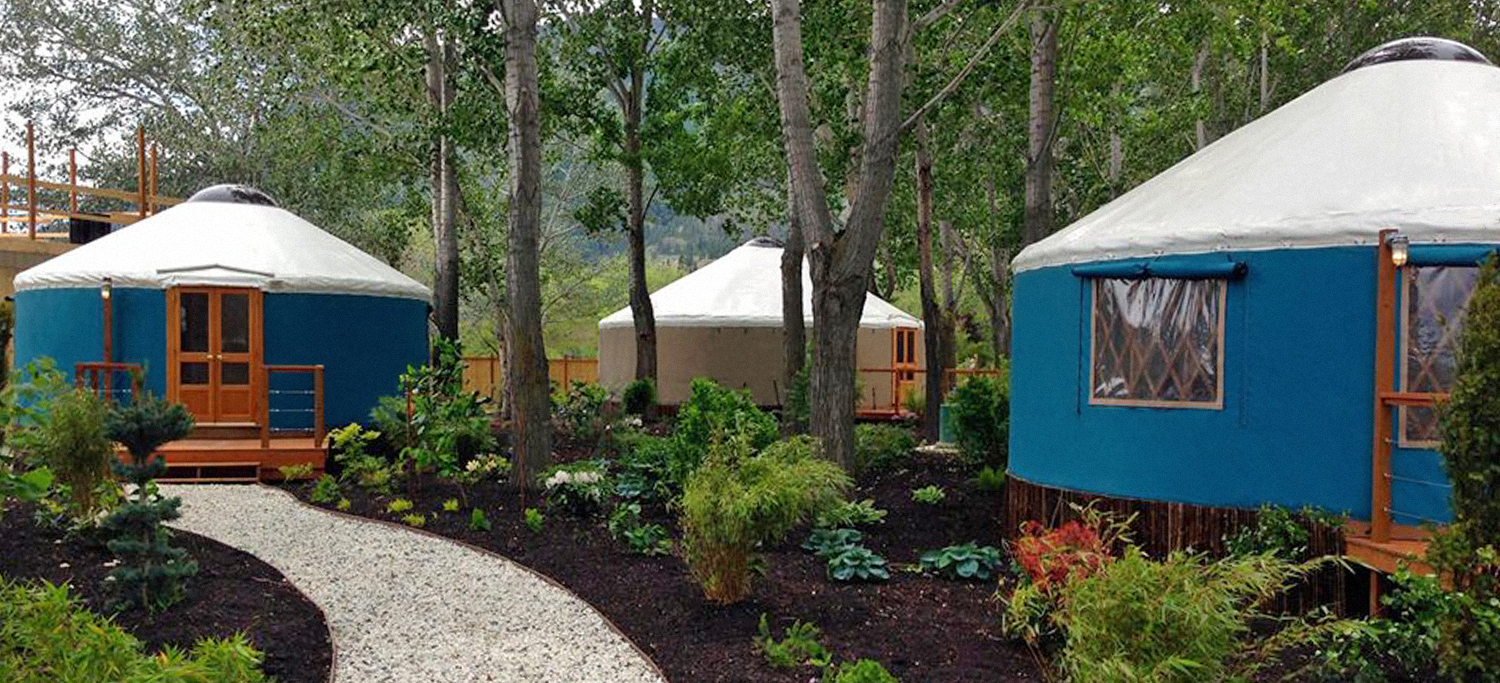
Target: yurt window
(1432, 322)
(1158, 342)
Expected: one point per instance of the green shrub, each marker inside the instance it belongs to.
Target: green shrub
(24, 407)
(914, 400)
(1403, 641)
(879, 446)
(343, 505)
(1280, 531)
(738, 499)
(931, 495)
(295, 472)
(1183, 619)
(862, 671)
(851, 513)
(151, 571)
(989, 479)
(48, 638)
(74, 444)
(969, 561)
(450, 505)
(398, 506)
(580, 411)
(826, 543)
(27, 487)
(350, 446)
(1468, 550)
(857, 563)
(713, 413)
(325, 490)
(415, 520)
(981, 420)
(639, 396)
(642, 539)
(647, 469)
(799, 646)
(478, 521)
(434, 425)
(534, 520)
(581, 488)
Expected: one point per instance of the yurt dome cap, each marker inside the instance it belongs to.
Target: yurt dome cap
(1411, 144)
(225, 236)
(743, 289)
(1422, 47)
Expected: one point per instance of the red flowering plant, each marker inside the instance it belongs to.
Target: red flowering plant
(1050, 559)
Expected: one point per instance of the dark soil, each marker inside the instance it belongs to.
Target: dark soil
(233, 592)
(921, 627)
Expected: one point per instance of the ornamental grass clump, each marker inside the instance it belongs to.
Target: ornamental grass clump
(739, 498)
(151, 571)
(74, 443)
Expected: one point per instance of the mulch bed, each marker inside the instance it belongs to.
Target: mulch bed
(233, 592)
(921, 627)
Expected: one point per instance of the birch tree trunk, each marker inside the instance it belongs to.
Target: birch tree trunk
(527, 353)
(443, 181)
(840, 263)
(640, 294)
(1039, 132)
(792, 323)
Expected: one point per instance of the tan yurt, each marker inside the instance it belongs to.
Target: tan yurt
(723, 321)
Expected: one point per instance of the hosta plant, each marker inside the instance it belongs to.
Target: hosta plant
(969, 561)
(931, 495)
(857, 563)
(826, 543)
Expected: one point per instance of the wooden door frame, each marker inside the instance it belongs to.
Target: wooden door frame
(257, 341)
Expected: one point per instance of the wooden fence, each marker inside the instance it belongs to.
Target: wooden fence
(484, 375)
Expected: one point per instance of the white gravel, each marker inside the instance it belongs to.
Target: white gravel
(405, 607)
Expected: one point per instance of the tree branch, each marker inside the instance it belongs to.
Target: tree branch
(963, 73)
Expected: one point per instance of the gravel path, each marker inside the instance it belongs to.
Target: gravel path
(406, 607)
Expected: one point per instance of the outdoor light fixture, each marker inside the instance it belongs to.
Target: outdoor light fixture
(1400, 249)
(107, 288)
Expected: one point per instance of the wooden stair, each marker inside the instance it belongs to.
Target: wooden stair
(211, 472)
(222, 460)
(1407, 545)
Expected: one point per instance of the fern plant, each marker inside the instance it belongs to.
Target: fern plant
(798, 646)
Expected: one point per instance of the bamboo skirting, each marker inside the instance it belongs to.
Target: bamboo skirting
(1161, 527)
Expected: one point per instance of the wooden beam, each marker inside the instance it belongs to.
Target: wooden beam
(1385, 349)
(124, 195)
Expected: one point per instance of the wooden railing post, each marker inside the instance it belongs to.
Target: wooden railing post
(318, 406)
(1385, 349)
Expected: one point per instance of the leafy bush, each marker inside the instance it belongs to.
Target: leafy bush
(639, 396)
(414, 520)
(350, 447)
(151, 571)
(1182, 619)
(851, 513)
(826, 543)
(580, 488)
(26, 487)
(450, 505)
(398, 506)
(24, 408)
(1404, 640)
(478, 521)
(648, 469)
(931, 495)
(914, 400)
(74, 444)
(967, 561)
(343, 505)
(981, 420)
(1049, 559)
(295, 472)
(49, 638)
(879, 446)
(642, 539)
(1468, 550)
(534, 520)
(435, 425)
(580, 411)
(857, 563)
(799, 646)
(989, 479)
(1280, 531)
(713, 413)
(325, 490)
(862, 671)
(738, 499)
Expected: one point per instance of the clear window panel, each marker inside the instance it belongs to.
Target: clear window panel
(234, 374)
(193, 322)
(194, 373)
(1436, 299)
(1157, 339)
(234, 322)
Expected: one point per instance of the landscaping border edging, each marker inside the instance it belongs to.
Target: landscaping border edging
(483, 551)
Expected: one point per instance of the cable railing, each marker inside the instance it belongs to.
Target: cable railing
(315, 410)
(1382, 510)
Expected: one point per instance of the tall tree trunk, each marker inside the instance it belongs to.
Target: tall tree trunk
(793, 324)
(996, 296)
(932, 309)
(530, 408)
(1040, 130)
(841, 263)
(443, 180)
(1195, 81)
(1265, 72)
(635, 172)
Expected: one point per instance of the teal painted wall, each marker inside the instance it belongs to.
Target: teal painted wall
(1296, 423)
(67, 325)
(365, 343)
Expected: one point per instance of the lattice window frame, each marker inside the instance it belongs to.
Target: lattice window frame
(1450, 336)
(1216, 404)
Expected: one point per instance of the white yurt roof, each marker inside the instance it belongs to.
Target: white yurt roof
(207, 241)
(1411, 145)
(743, 289)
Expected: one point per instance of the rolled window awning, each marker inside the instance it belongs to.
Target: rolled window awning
(1451, 254)
(1182, 267)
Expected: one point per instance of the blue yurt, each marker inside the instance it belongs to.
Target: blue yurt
(1218, 337)
(209, 295)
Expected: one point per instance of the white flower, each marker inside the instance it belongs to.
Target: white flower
(64, 565)
(112, 563)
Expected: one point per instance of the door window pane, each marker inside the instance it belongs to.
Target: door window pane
(195, 373)
(234, 374)
(193, 321)
(234, 320)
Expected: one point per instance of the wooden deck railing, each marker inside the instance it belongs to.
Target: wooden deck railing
(99, 378)
(1381, 508)
(317, 393)
(900, 378)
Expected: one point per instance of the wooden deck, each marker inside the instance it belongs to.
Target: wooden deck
(238, 459)
(1407, 545)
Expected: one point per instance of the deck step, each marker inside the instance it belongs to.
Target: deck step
(225, 430)
(206, 472)
(1387, 556)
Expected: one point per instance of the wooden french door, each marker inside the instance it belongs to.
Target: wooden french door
(214, 352)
